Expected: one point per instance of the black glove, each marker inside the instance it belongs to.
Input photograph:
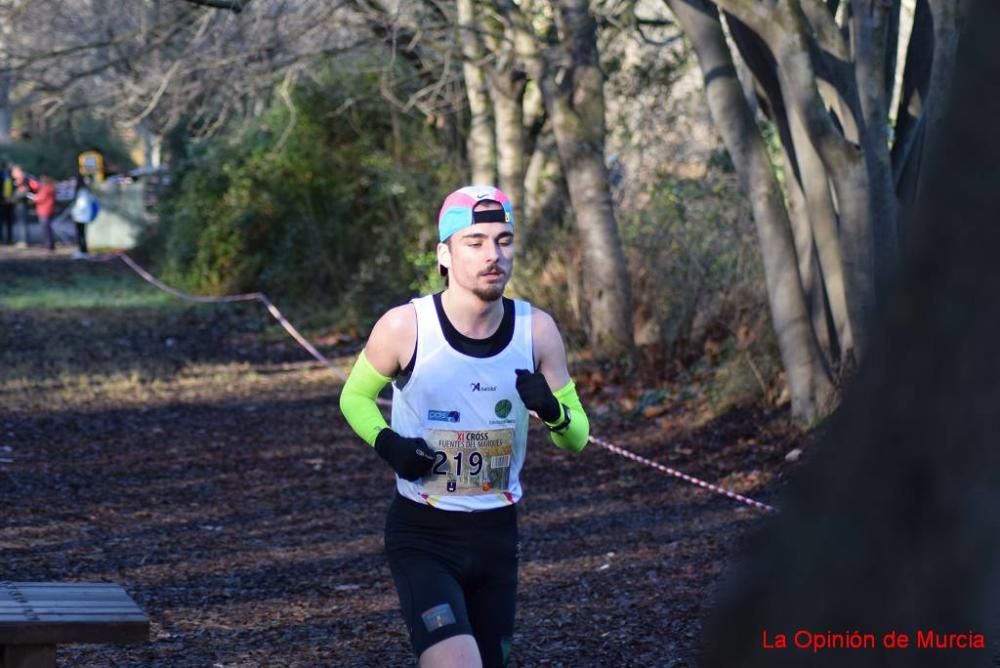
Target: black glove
(536, 395)
(411, 458)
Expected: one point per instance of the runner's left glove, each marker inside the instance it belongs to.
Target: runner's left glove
(411, 458)
(536, 395)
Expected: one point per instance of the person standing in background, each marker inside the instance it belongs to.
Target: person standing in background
(19, 201)
(84, 211)
(45, 206)
(6, 205)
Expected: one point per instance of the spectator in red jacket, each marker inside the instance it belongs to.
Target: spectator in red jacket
(45, 206)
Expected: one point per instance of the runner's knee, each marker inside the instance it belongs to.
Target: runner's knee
(455, 652)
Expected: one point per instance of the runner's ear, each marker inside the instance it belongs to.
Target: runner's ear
(444, 255)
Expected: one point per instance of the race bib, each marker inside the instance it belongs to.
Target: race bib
(469, 462)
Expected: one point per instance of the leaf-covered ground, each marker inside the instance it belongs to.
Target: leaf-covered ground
(196, 456)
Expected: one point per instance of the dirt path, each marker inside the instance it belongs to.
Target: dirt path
(195, 456)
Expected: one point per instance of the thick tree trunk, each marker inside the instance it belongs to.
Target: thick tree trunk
(946, 17)
(152, 144)
(520, 109)
(846, 168)
(808, 379)
(809, 270)
(869, 27)
(481, 142)
(6, 84)
(823, 220)
(809, 170)
(893, 34)
(892, 525)
(544, 188)
(508, 99)
(574, 98)
(783, 28)
(907, 146)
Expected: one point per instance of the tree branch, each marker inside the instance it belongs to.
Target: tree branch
(236, 6)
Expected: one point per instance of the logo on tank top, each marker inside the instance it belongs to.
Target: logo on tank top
(503, 410)
(479, 387)
(443, 416)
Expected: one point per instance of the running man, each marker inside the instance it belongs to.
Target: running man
(466, 364)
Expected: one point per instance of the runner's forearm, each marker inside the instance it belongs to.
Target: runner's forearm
(574, 437)
(357, 400)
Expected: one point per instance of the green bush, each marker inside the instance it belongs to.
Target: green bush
(331, 204)
(694, 262)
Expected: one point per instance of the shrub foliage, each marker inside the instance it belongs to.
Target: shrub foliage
(323, 201)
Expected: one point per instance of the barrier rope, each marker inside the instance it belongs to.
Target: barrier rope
(302, 341)
(246, 297)
(677, 474)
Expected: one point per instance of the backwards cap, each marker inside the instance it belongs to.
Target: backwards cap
(456, 212)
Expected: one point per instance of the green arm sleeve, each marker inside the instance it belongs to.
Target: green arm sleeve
(357, 400)
(574, 438)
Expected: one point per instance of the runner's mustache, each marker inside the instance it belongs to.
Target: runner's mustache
(491, 269)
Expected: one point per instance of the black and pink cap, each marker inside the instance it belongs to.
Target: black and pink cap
(457, 211)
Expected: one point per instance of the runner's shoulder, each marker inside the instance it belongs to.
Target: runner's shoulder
(543, 325)
(392, 338)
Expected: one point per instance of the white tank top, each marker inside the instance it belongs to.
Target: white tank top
(469, 412)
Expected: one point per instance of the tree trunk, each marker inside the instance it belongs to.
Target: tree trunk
(6, 83)
(907, 146)
(842, 161)
(152, 144)
(892, 524)
(823, 222)
(544, 188)
(869, 26)
(481, 143)
(809, 172)
(574, 99)
(508, 99)
(782, 26)
(809, 267)
(5, 115)
(808, 379)
(945, 17)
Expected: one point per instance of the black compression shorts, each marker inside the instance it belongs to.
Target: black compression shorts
(456, 573)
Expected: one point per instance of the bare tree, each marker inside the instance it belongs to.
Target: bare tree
(823, 73)
(893, 526)
(563, 65)
(573, 88)
(808, 379)
(482, 141)
(152, 65)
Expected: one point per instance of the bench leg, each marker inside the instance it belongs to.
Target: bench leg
(29, 656)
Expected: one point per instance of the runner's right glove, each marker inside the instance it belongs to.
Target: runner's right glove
(411, 458)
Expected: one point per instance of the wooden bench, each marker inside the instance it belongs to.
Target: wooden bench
(37, 616)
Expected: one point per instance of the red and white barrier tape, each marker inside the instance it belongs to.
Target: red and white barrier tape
(302, 341)
(683, 476)
(247, 297)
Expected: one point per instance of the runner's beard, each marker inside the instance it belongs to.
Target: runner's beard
(491, 292)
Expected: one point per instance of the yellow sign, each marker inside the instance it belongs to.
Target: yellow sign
(91, 163)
